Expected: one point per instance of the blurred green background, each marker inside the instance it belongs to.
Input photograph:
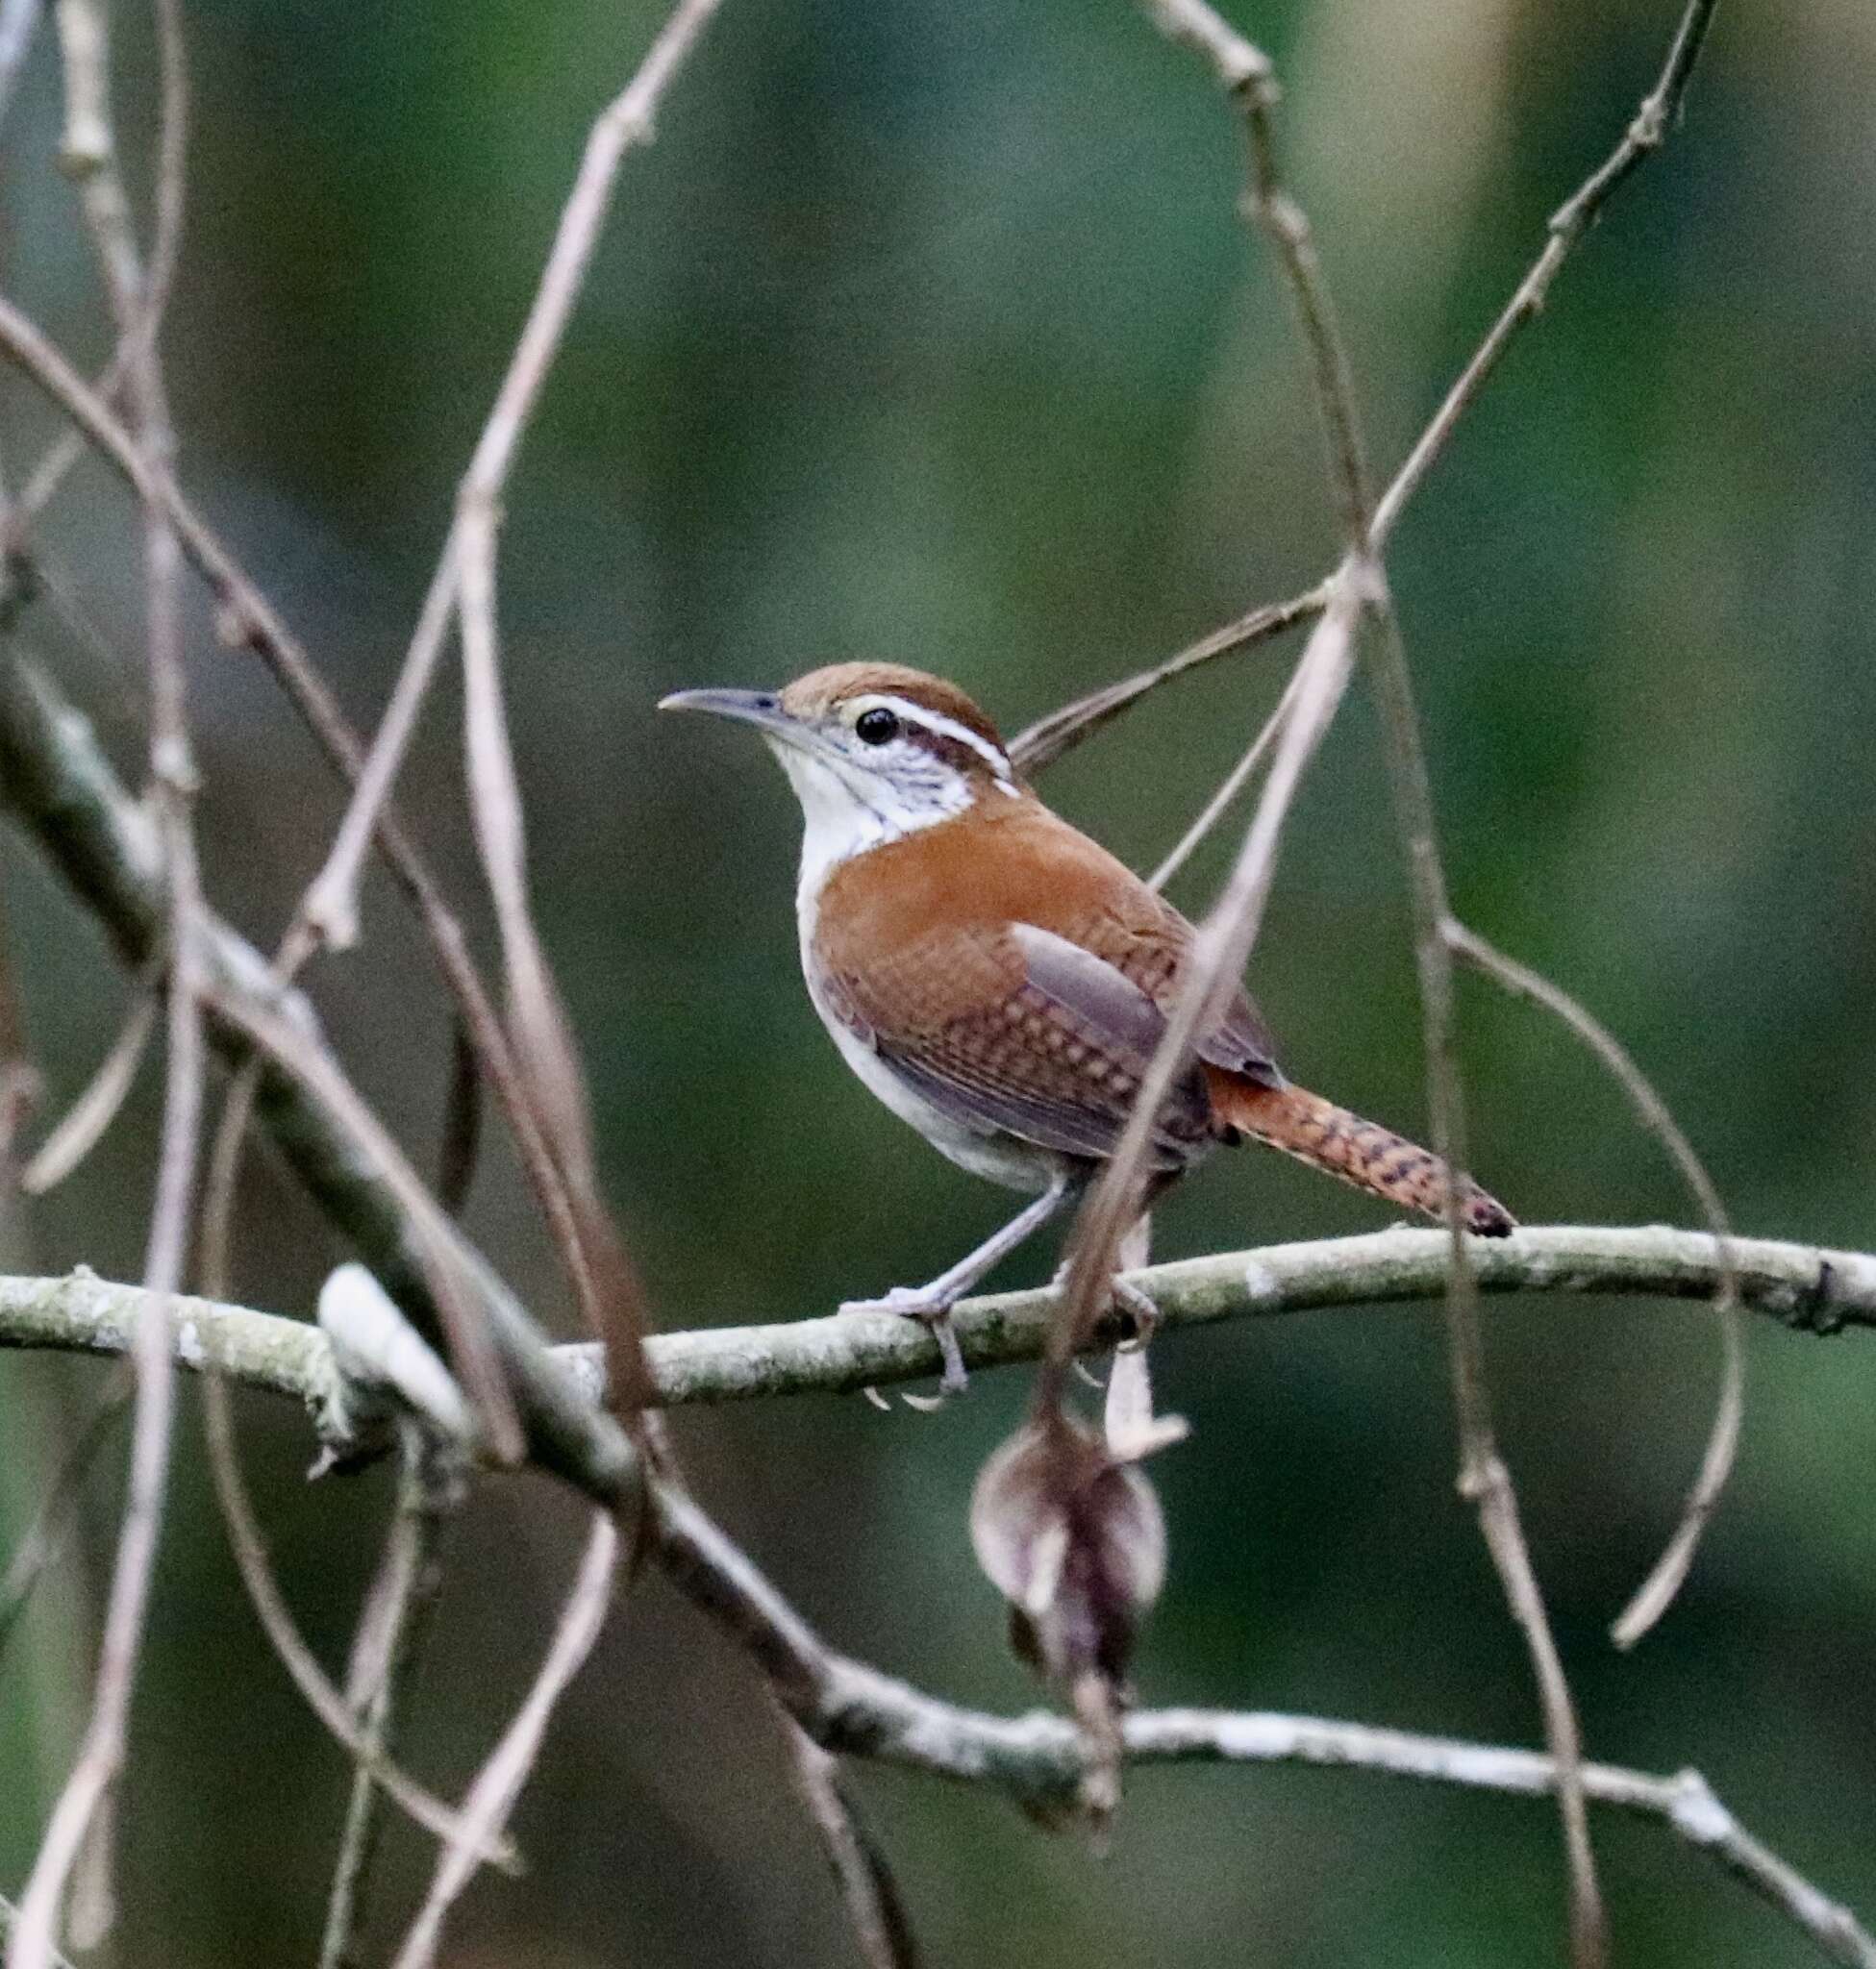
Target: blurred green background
(927, 329)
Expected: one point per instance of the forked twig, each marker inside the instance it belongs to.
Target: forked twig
(1045, 740)
(1568, 225)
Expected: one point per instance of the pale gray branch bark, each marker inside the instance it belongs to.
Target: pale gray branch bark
(1806, 1287)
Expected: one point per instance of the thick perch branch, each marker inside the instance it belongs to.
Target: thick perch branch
(1801, 1286)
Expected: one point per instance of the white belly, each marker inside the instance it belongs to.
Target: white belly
(996, 1157)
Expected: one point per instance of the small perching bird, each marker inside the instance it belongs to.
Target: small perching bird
(1001, 981)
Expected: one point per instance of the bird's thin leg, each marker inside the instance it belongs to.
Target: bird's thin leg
(933, 1302)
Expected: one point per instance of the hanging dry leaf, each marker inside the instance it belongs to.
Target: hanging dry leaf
(1072, 1533)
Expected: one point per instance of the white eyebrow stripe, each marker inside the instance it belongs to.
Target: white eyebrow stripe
(948, 727)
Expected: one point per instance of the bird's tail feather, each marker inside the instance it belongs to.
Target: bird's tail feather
(1363, 1152)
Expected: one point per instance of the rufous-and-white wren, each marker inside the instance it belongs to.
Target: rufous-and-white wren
(1000, 981)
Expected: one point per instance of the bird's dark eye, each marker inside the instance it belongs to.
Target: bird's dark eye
(876, 725)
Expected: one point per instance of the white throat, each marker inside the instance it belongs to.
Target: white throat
(843, 815)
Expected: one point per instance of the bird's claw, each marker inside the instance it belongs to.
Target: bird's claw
(911, 1301)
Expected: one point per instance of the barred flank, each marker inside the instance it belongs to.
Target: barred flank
(1363, 1152)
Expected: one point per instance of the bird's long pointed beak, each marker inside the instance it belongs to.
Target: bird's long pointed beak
(759, 708)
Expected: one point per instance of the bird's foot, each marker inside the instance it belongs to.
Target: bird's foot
(1131, 1300)
(1126, 1298)
(1138, 1306)
(933, 1310)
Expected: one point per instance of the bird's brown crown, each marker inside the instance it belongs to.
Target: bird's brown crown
(816, 694)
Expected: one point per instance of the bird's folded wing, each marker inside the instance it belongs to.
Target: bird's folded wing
(1018, 1031)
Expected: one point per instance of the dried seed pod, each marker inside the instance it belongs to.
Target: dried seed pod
(1071, 1535)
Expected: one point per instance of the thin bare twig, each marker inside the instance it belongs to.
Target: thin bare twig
(1572, 220)
(544, 1048)
(88, 154)
(390, 1632)
(491, 1797)
(462, 1131)
(44, 1538)
(10, 1921)
(1217, 960)
(1228, 790)
(21, 1085)
(625, 124)
(365, 1738)
(249, 1547)
(875, 1907)
(1484, 1479)
(171, 174)
(85, 1122)
(1684, 1804)
(1044, 743)
(19, 22)
(1657, 1592)
(1246, 72)
(135, 342)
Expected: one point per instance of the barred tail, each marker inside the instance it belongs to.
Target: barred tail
(1363, 1152)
